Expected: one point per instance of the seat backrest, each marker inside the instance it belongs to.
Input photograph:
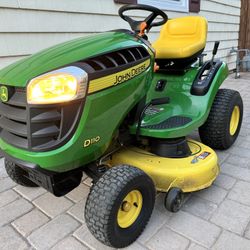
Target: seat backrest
(194, 27)
(181, 33)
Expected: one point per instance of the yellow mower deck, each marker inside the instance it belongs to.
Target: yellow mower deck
(189, 174)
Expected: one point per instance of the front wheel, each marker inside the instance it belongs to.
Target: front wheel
(17, 174)
(119, 205)
(224, 121)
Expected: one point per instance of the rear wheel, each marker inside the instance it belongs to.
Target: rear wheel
(17, 174)
(224, 121)
(119, 205)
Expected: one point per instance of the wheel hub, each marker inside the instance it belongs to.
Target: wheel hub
(234, 122)
(178, 202)
(126, 206)
(130, 209)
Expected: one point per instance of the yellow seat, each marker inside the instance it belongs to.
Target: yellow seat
(181, 38)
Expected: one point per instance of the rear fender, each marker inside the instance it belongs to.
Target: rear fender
(217, 81)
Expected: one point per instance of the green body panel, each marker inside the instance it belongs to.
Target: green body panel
(100, 118)
(104, 111)
(19, 73)
(182, 103)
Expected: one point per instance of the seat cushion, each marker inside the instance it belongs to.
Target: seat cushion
(181, 38)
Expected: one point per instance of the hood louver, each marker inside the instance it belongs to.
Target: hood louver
(120, 58)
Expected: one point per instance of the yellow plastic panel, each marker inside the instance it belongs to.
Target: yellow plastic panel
(189, 173)
(181, 38)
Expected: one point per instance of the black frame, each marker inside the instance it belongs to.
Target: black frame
(194, 5)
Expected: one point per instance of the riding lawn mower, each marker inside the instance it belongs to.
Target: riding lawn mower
(120, 109)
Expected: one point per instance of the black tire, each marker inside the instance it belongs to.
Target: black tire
(215, 132)
(106, 199)
(174, 200)
(17, 174)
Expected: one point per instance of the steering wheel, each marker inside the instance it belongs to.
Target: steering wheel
(147, 23)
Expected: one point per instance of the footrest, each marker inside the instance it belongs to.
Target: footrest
(172, 122)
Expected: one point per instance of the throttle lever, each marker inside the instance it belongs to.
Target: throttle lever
(215, 49)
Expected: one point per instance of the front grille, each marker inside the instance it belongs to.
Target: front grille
(13, 120)
(37, 128)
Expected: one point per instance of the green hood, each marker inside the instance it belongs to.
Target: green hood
(19, 73)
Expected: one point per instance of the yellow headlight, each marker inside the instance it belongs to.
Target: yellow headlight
(56, 87)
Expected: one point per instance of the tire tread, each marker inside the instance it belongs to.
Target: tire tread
(213, 132)
(17, 174)
(101, 197)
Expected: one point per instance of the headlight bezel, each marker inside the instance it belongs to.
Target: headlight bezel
(52, 79)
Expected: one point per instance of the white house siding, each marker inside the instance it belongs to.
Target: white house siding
(27, 26)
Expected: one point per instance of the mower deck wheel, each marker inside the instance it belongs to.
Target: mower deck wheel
(173, 200)
(119, 205)
(17, 174)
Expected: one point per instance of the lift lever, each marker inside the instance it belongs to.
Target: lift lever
(215, 49)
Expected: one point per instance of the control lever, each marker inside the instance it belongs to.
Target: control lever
(215, 49)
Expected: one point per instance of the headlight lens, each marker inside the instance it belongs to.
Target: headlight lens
(61, 85)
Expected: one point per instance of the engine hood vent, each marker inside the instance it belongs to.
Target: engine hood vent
(114, 61)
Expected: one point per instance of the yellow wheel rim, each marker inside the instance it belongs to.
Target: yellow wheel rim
(130, 209)
(235, 118)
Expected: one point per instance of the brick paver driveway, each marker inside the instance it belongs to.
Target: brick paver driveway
(217, 218)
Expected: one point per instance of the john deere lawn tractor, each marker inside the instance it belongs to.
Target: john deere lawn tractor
(120, 109)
